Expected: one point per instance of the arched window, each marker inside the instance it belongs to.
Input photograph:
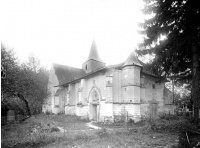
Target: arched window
(86, 67)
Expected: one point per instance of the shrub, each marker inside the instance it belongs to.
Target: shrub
(168, 116)
(55, 129)
(102, 133)
(81, 137)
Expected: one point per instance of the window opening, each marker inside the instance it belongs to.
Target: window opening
(153, 86)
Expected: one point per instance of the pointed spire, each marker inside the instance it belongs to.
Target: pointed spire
(132, 60)
(94, 55)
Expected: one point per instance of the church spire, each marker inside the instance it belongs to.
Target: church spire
(93, 62)
(94, 55)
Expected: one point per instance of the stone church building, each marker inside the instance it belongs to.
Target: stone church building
(98, 92)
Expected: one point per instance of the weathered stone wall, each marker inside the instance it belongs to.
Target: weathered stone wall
(62, 99)
(92, 65)
(70, 110)
(154, 93)
(53, 81)
(98, 81)
(106, 110)
(129, 111)
(134, 102)
(73, 94)
(131, 84)
(117, 83)
(80, 91)
(82, 111)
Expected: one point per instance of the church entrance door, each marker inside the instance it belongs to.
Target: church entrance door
(94, 112)
(153, 110)
(94, 99)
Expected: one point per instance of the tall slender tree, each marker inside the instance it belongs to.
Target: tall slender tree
(179, 53)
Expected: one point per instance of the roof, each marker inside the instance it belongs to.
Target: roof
(94, 55)
(86, 75)
(144, 70)
(132, 60)
(66, 73)
(58, 92)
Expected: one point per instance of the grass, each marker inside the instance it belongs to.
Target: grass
(42, 132)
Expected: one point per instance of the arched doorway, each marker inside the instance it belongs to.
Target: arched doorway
(94, 98)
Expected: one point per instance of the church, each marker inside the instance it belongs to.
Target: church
(99, 92)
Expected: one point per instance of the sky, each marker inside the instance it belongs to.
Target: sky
(62, 31)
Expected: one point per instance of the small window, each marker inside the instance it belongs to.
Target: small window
(109, 80)
(125, 89)
(153, 86)
(86, 67)
(56, 101)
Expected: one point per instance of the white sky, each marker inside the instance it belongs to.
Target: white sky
(62, 31)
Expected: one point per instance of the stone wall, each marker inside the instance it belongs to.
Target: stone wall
(53, 81)
(62, 99)
(127, 111)
(70, 110)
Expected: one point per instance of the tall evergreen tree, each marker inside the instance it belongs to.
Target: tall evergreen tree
(179, 53)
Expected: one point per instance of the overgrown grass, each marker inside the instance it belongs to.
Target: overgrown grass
(42, 132)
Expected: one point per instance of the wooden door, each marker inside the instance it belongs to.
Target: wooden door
(153, 110)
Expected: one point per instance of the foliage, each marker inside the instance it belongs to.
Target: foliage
(177, 56)
(178, 21)
(23, 82)
(19, 135)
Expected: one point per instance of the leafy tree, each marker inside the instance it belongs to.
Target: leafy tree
(24, 82)
(38, 76)
(177, 55)
(9, 84)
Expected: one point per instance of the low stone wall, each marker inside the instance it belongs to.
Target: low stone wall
(70, 110)
(55, 110)
(106, 111)
(127, 111)
(82, 111)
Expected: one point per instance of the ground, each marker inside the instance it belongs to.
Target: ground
(61, 131)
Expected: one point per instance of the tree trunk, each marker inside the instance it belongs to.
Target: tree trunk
(173, 90)
(196, 83)
(26, 103)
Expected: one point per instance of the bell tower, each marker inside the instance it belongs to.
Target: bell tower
(93, 62)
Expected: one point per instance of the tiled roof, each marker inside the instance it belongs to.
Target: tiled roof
(66, 73)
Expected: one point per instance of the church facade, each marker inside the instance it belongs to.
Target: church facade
(98, 92)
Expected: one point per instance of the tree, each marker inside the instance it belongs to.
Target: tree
(177, 55)
(38, 76)
(24, 81)
(10, 83)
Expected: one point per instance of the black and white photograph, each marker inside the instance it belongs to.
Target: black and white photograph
(100, 73)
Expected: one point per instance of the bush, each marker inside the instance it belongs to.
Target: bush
(171, 126)
(102, 133)
(168, 116)
(81, 137)
(55, 129)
